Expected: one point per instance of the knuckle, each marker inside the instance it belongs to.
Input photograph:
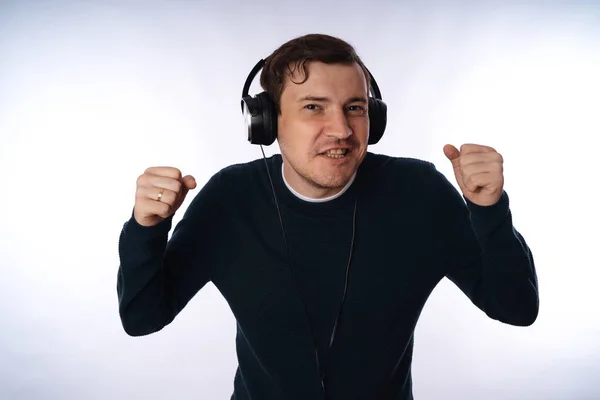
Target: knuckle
(177, 186)
(149, 171)
(173, 172)
(140, 192)
(140, 179)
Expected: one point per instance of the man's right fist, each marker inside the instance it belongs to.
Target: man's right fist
(160, 192)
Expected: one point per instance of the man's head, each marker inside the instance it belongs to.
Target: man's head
(320, 88)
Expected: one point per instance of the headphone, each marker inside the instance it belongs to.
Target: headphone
(261, 115)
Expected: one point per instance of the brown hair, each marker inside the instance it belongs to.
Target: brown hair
(297, 54)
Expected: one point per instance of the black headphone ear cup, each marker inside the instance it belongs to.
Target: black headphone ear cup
(377, 119)
(269, 119)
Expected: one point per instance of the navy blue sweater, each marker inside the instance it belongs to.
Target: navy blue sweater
(413, 228)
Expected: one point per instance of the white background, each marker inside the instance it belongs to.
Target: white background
(92, 93)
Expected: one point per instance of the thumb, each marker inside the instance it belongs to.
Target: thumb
(189, 182)
(452, 153)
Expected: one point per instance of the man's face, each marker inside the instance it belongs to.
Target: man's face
(323, 129)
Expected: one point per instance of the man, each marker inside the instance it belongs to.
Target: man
(326, 253)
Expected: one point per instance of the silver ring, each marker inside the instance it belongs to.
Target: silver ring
(159, 196)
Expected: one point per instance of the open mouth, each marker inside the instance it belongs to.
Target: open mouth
(336, 153)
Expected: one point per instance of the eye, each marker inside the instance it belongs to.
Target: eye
(357, 108)
(311, 106)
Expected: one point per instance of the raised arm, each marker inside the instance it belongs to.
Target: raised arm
(488, 259)
(157, 277)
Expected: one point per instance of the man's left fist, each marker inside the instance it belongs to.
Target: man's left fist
(478, 171)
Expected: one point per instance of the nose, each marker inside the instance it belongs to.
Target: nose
(337, 126)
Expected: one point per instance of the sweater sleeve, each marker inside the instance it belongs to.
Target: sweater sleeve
(157, 277)
(488, 259)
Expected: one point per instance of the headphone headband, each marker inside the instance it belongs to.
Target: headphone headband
(374, 87)
(250, 78)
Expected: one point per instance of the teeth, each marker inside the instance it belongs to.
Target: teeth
(336, 153)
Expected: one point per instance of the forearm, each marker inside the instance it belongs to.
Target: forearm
(508, 278)
(141, 284)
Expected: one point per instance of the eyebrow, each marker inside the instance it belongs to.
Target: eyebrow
(358, 99)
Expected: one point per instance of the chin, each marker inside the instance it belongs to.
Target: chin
(335, 173)
(327, 173)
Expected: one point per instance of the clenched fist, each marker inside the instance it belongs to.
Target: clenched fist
(160, 192)
(479, 172)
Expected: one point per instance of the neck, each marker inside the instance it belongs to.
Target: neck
(315, 199)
